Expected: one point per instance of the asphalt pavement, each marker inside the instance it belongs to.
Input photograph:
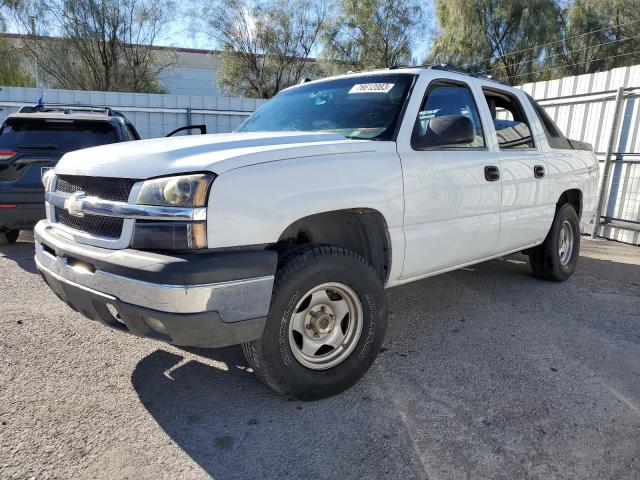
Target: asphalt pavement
(486, 372)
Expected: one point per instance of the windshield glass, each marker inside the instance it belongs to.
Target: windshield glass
(54, 135)
(365, 107)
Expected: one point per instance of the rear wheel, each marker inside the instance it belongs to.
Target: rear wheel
(326, 324)
(556, 258)
(8, 237)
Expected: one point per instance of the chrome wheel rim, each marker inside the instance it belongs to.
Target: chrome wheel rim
(325, 326)
(565, 244)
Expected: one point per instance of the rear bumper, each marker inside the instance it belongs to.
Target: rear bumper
(21, 217)
(205, 300)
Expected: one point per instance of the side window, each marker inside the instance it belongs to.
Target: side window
(554, 136)
(511, 124)
(441, 115)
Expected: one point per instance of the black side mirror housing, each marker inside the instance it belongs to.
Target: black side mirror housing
(448, 130)
(202, 128)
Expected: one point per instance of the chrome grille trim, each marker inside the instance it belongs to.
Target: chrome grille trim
(106, 208)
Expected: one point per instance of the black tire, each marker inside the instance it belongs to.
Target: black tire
(271, 356)
(545, 259)
(8, 237)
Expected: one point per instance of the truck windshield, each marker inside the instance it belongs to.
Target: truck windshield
(54, 135)
(364, 107)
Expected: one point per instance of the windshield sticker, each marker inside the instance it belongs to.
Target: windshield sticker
(372, 88)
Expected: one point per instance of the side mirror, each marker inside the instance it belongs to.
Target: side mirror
(202, 128)
(448, 130)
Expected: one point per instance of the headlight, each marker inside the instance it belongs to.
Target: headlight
(178, 191)
(47, 179)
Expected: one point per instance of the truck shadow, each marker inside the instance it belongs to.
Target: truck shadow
(453, 342)
(21, 253)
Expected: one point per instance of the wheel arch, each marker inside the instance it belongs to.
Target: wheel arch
(361, 230)
(573, 197)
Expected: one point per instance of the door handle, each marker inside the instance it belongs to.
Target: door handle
(538, 171)
(491, 173)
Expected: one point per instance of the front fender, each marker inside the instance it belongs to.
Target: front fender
(253, 205)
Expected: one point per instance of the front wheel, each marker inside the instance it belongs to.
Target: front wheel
(556, 258)
(8, 237)
(325, 327)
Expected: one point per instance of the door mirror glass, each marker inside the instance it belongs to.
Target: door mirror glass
(448, 130)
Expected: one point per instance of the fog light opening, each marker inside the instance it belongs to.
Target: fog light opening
(156, 325)
(114, 313)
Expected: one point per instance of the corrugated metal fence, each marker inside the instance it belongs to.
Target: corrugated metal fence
(603, 109)
(153, 115)
(584, 107)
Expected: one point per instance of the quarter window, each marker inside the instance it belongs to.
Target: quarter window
(511, 124)
(448, 99)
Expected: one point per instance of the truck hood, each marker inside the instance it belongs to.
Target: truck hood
(216, 153)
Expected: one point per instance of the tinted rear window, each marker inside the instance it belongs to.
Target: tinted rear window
(554, 136)
(60, 136)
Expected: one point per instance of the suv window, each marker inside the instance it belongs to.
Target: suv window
(511, 124)
(449, 99)
(554, 136)
(54, 135)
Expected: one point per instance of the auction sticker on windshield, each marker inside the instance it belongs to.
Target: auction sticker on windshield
(372, 88)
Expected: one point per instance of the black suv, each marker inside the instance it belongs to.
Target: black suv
(35, 138)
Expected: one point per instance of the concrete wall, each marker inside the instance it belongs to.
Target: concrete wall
(153, 115)
(192, 72)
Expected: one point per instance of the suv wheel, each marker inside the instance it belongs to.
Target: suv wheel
(326, 324)
(556, 258)
(8, 237)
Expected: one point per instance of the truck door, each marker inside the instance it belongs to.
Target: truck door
(452, 192)
(524, 216)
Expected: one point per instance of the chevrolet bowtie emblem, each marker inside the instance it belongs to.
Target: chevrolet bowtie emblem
(73, 204)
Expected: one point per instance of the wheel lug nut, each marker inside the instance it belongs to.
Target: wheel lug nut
(323, 308)
(316, 335)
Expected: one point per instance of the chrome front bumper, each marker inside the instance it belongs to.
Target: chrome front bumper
(233, 300)
(74, 272)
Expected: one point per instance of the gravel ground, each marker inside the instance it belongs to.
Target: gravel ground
(486, 373)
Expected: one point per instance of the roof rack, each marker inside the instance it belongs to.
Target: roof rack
(451, 68)
(71, 108)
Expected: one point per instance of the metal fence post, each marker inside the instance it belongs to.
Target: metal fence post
(189, 119)
(604, 190)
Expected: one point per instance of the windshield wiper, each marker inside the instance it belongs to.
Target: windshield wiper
(43, 146)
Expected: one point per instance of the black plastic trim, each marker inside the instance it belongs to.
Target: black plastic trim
(204, 329)
(184, 269)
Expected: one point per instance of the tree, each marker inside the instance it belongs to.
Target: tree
(12, 69)
(97, 44)
(597, 35)
(265, 46)
(370, 34)
(503, 37)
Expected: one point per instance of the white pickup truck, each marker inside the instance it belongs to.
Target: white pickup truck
(283, 235)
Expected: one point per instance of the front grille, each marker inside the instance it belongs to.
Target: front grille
(114, 189)
(105, 227)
